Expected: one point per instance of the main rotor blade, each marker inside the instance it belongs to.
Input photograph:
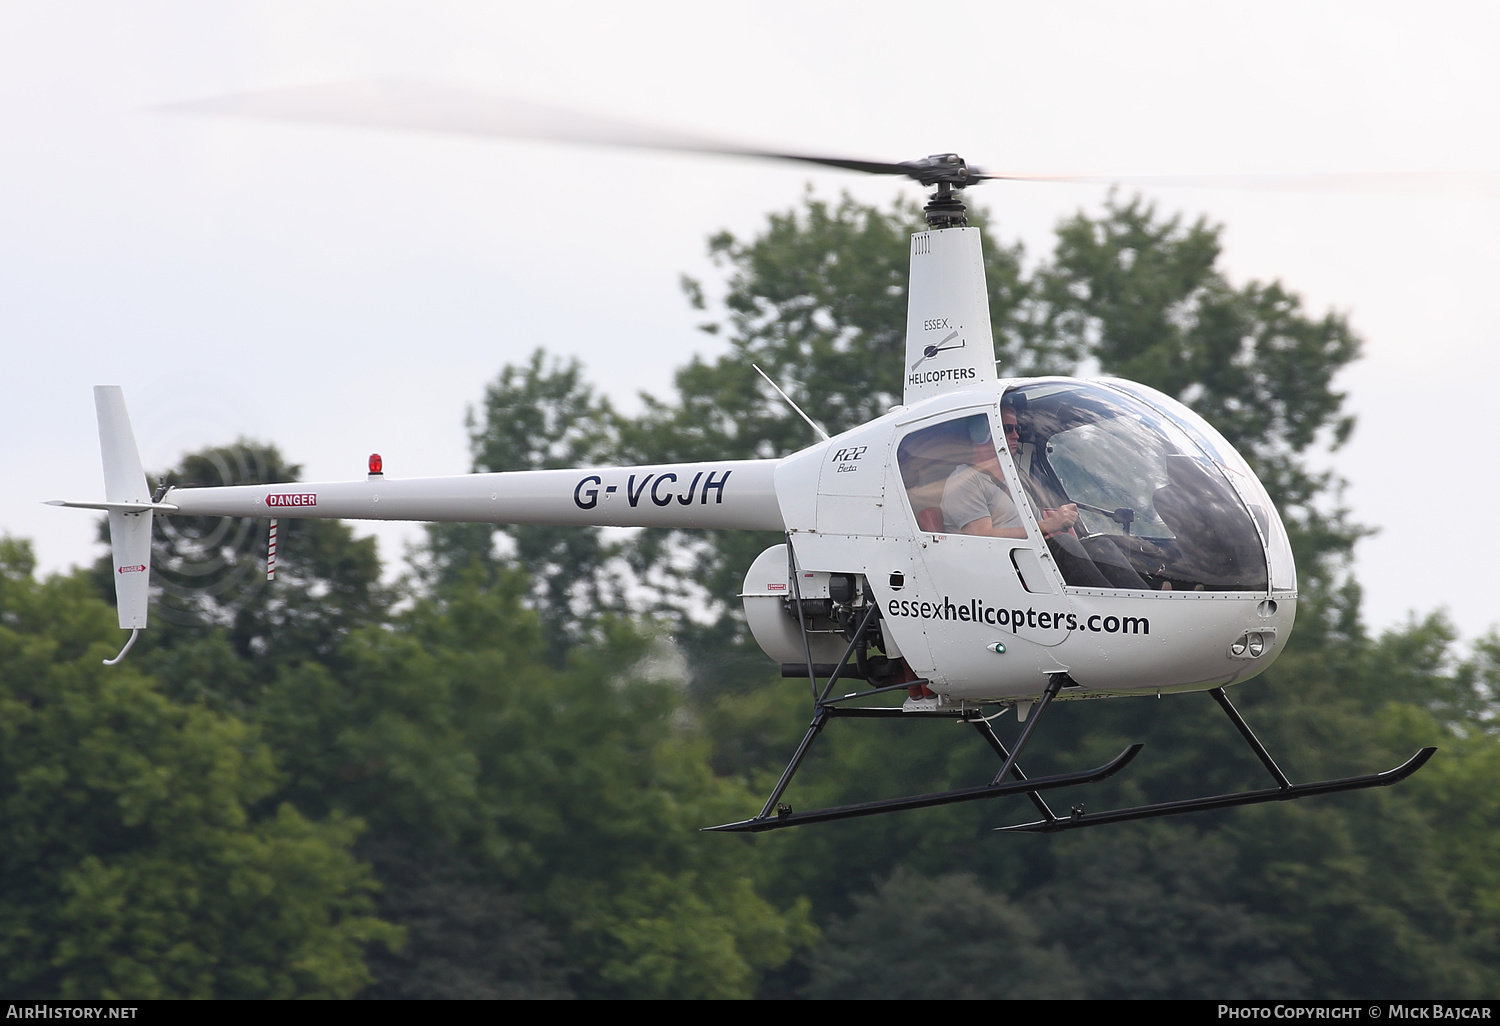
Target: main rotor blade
(430, 107)
(1383, 183)
(415, 105)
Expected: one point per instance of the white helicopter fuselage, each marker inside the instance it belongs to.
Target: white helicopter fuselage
(987, 618)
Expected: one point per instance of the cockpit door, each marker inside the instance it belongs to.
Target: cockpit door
(989, 579)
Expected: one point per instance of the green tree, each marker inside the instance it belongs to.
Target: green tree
(142, 857)
(939, 937)
(1417, 665)
(1141, 296)
(1151, 911)
(1348, 895)
(540, 416)
(569, 797)
(468, 934)
(596, 787)
(533, 772)
(1364, 889)
(560, 791)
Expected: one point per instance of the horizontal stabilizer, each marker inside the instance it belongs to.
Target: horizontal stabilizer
(122, 507)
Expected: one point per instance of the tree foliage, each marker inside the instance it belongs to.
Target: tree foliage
(941, 936)
(143, 854)
(540, 416)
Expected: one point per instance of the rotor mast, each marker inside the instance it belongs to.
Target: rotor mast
(951, 175)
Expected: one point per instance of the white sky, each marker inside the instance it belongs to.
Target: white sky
(340, 292)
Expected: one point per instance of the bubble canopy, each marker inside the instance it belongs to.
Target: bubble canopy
(1162, 497)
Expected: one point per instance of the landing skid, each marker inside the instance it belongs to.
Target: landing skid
(785, 817)
(776, 815)
(1284, 791)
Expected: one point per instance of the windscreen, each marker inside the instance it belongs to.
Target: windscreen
(1251, 492)
(1155, 506)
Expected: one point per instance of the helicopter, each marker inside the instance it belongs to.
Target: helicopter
(988, 545)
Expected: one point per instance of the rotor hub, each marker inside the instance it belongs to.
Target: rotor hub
(939, 168)
(950, 173)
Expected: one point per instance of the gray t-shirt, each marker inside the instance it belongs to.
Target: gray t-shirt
(971, 495)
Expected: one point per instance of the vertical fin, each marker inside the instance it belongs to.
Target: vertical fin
(125, 481)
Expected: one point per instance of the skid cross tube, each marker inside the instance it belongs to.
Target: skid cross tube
(773, 815)
(1055, 684)
(1283, 792)
(794, 574)
(858, 639)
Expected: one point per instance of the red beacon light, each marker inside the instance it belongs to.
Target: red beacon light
(376, 464)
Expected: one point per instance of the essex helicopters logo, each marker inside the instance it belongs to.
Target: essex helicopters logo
(978, 611)
(936, 348)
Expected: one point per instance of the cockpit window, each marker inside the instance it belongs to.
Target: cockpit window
(1153, 509)
(954, 481)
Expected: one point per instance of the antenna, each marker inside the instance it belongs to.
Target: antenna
(810, 422)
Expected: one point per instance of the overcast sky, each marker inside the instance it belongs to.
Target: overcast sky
(340, 292)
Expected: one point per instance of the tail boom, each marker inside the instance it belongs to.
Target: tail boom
(727, 494)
